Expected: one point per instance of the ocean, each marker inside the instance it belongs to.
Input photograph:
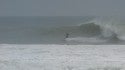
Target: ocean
(62, 43)
(52, 30)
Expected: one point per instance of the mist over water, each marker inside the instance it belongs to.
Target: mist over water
(52, 30)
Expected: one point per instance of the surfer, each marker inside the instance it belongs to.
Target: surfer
(65, 40)
(67, 35)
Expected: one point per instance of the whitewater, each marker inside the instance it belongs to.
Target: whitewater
(62, 57)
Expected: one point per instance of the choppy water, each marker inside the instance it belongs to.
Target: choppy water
(52, 30)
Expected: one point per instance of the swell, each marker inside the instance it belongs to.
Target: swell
(98, 30)
(57, 34)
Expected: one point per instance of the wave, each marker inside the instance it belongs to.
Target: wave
(86, 30)
(94, 31)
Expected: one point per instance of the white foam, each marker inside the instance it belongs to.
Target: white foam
(62, 57)
(86, 40)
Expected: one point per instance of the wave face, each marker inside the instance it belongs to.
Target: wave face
(53, 30)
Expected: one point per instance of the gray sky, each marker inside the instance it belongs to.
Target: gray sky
(62, 7)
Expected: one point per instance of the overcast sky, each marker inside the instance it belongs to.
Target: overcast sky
(61, 7)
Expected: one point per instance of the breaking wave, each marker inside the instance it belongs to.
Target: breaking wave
(90, 32)
(94, 31)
